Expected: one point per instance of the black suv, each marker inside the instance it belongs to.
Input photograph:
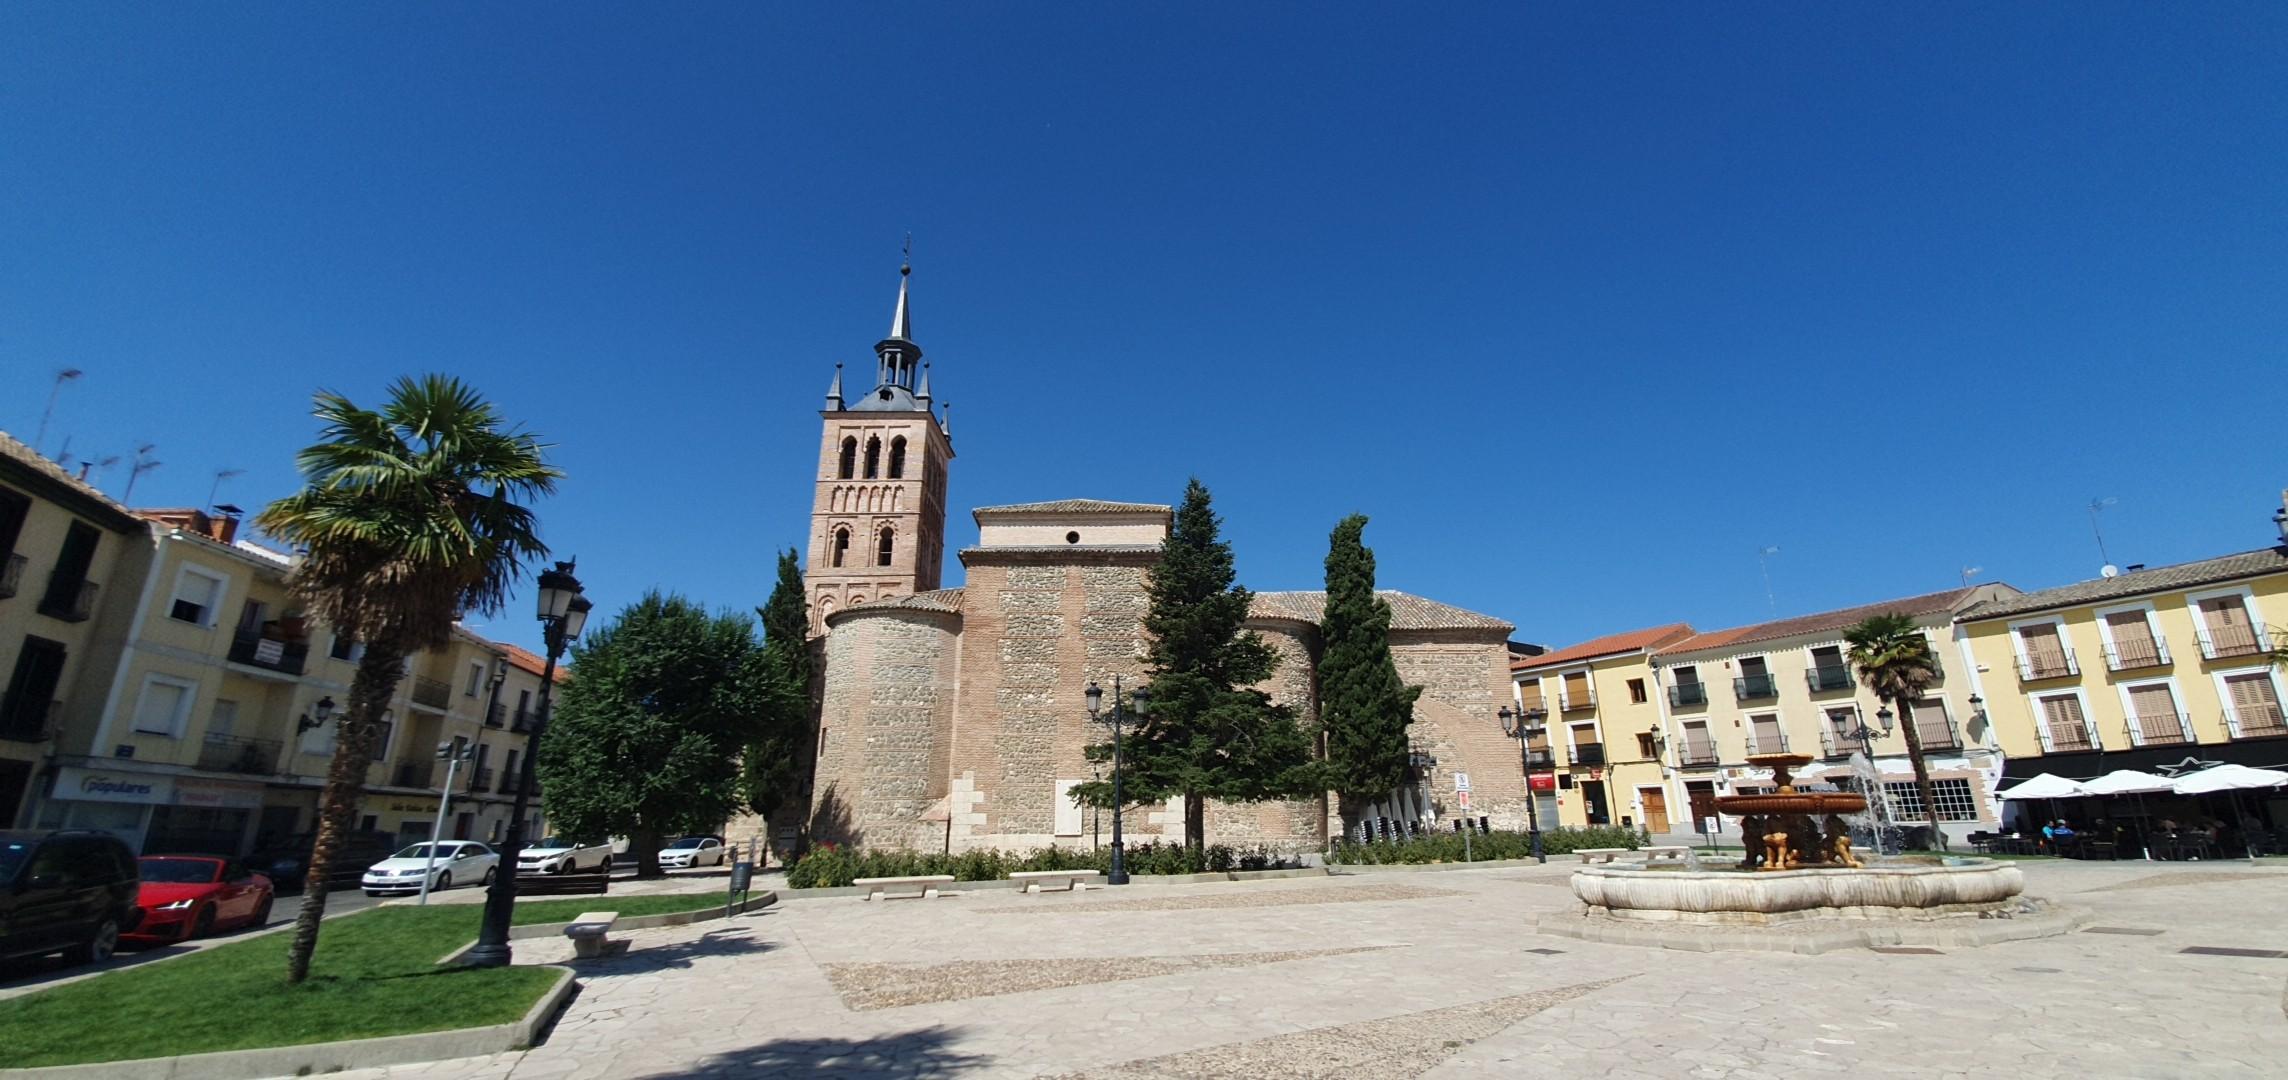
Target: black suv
(71, 891)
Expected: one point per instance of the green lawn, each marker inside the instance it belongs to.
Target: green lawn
(376, 974)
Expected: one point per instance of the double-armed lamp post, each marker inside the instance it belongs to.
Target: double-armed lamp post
(1525, 726)
(1138, 699)
(563, 611)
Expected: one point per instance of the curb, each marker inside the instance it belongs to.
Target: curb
(1836, 934)
(960, 887)
(530, 931)
(1418, 868)
(325, 1057)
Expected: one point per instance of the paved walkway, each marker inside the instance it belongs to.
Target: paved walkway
(1402, 975)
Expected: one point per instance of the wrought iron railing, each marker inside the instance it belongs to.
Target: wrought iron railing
(252, 648)
(1588, 753)
(69, 601)
(32, 722)
(1688, 693)
(2138, 654)
(2035, 668)
(1751, 687)
(11, 575)
(1829, 677)
(228, 753)
(1773, 743)
(2237, 641)
(1696, 754)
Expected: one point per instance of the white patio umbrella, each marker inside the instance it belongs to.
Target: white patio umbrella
(2131, 782)
(2046, 786)
(2232, 780)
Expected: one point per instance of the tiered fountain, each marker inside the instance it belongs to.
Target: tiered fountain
(1801, 888)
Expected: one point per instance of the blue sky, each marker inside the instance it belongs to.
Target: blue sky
(1584, 306)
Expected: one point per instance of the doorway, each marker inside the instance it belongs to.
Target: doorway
(1655, 803)
(1593, 802)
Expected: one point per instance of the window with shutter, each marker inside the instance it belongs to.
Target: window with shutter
(2156, 714)
(1529, 693)
(1577, 691)
(2134, 645)
(2062, 716)
(2230, 632)
(1932, 726)
(1766, 733)
(2045, 652)
(2255, 705)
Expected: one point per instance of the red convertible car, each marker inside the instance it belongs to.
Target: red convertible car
(188, 896)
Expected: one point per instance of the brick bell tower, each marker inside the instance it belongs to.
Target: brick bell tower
(877, 522)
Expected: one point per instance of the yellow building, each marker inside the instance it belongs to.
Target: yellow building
(60, 546)
(1604, 730)
(1786, 687)
(2140, 670)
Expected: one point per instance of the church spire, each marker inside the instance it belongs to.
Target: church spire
(901, 322)
(834, 392)
(900, 357)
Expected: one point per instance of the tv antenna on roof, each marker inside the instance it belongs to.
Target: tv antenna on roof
(1764, 562)
(143, 463)
(2096, 505)
(220, 476)
(1966, 572)
(63, 375)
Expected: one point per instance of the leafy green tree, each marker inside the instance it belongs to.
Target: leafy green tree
(646, 734)
(1208, 734)
(777, 760)
(409, 516)
(1364, 707)
(1894, 659)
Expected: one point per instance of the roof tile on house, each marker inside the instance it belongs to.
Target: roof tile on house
(1407, 611)
(528, 661)
(1936, 603)
(2271, 560)
(1647, 639)
(1075, 506)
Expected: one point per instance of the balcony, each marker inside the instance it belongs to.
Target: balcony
(11, 576)
(1588, 753)
(495, 714)
(2164, 729)
(1696, 755)
(1688, 693)
(1826, 678)
(254, 649)
(32, 723)
(226, 753)
(1570, 701)
(2132, 655)
(1752, 687)
(1835, 745)
(69, 601)
(415, 774)
(1540, 758)
(524, 720)
(2067, 739)
(431, 693)
(2036, 668)
(2251, 640)
(1938, 734)
(481, 779)
(2259, 723)
(1774, 742)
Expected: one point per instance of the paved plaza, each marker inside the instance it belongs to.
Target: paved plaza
(1435, 974)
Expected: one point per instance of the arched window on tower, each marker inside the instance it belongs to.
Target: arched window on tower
(884, 546)
(849, 457)
(841, 545)
(898, 458)
(873, 456)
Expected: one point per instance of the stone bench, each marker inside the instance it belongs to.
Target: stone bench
(1665, 853)
(1601, 854)
(1039, 880)
(924, 886)
(589, 933)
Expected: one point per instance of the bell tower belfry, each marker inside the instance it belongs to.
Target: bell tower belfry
(877, 522)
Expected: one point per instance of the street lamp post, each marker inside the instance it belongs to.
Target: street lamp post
(1524, 727)
(563, 611)
(1139, 698)
(452, 753)
(1878, 799)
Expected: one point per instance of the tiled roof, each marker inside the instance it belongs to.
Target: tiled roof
(1075, 506)
(945, 600)
(2271, 560)
(1937, 603)
(1649, 638)
(71, 486)
(526, 660)
(1407, 611)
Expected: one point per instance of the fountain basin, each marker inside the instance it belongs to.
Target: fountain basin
(1915, 892)
(1816, 803)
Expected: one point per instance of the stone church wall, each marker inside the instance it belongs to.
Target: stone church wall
(1464, 676)
(884, 729)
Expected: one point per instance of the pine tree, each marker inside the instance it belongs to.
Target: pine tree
(1364, 707)
(1208, 734)
(645, 736)
(776, 763)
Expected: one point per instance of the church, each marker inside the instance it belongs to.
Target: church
(954, 718)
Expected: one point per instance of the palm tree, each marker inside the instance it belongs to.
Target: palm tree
(1894, 659)
(411, 516)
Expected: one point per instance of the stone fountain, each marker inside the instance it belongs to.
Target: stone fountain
(1784, 829)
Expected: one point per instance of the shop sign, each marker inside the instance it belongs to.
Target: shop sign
(105, 785)
(190, 792)
(1542, 782)
(406, 806)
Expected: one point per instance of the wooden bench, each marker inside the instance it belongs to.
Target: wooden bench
(1665, 853)
(924, 886)
(1038, 880)
(588, 933)
(577, 883)
(1601, 854)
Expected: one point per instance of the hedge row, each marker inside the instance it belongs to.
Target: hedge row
(827, 865)
(1447, 847)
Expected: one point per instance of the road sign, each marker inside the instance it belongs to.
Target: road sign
(1464, 796)
(1462, 782)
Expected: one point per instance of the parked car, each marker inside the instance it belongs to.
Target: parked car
(465, 861)
(693, 851)
(287, 862)
(562, 855)
(71, 891)
(188, 896)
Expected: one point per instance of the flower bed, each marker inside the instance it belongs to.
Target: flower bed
(828, 865)
(1447, 847)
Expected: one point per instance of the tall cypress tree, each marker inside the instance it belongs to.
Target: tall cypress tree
(776, 760)
(1208, 734)
(1364, 707)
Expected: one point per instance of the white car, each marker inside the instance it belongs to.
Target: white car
(465, 861)
(692, 851)
(562, 855)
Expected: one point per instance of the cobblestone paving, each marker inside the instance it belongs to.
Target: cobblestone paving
(891, 986)
(1404, 980)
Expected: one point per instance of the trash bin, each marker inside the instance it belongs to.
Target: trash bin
(742, 875)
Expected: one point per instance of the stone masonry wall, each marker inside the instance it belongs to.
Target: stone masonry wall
(1464, 676)
(883, 729)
